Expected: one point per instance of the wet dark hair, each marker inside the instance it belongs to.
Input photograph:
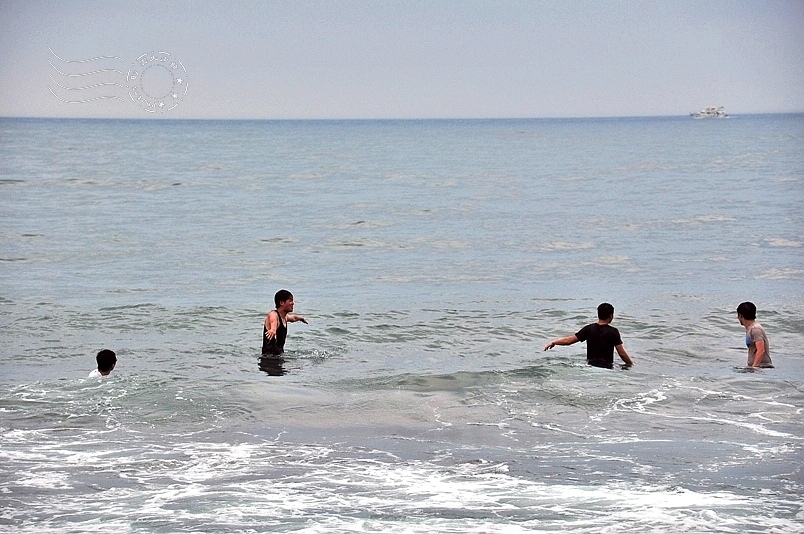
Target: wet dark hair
(281, 296)
(106, 360)
(748, 310)
(605, 310)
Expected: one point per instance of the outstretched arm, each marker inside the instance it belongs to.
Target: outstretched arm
(624, 355)
(291, 318)
(569, 340)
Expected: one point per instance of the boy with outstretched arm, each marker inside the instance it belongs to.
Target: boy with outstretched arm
(601, 338)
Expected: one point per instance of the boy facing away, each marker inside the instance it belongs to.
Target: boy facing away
(106, 359)
(601, 338)
(755, 337)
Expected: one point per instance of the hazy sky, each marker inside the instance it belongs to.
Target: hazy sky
(399, 59)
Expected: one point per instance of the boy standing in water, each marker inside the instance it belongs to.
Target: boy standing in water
(602, 339)
(275, 328)
(755, 337)
(106, 359)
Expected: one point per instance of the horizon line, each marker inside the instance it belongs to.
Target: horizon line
(388, 119)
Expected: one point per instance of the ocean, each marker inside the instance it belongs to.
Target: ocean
(433, 260)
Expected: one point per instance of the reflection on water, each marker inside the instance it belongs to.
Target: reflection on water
(273, 365)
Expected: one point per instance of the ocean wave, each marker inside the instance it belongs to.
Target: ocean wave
(228, 485)
(782, 242)
(562, 245)
(787, 273)
(457, 381)
(705, 219)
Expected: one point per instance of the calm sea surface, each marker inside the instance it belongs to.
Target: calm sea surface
(433, 261)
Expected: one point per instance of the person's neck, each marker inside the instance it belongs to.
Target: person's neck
(748, 323)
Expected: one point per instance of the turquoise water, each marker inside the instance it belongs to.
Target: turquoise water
(433, 261)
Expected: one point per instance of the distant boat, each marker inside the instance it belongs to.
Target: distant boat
(710, 113)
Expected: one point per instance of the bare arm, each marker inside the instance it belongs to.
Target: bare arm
(271, 324)
(291, 318)
(760, 353)
(569, 340)
(624, 355)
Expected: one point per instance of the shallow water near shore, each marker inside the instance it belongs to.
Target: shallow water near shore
(433, 261)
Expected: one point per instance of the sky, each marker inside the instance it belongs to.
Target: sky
(389, 59)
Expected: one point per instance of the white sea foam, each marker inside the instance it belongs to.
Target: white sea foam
(787, 273)
(705, 219)
(562, 245)
(222, 487)
(783, 243)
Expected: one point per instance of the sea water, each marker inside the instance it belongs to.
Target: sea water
(433, 261)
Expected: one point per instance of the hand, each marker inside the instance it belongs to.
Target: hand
(270, 334)
(626, 366)
(549, 345)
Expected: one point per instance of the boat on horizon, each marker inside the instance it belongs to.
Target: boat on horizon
(710, 113)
